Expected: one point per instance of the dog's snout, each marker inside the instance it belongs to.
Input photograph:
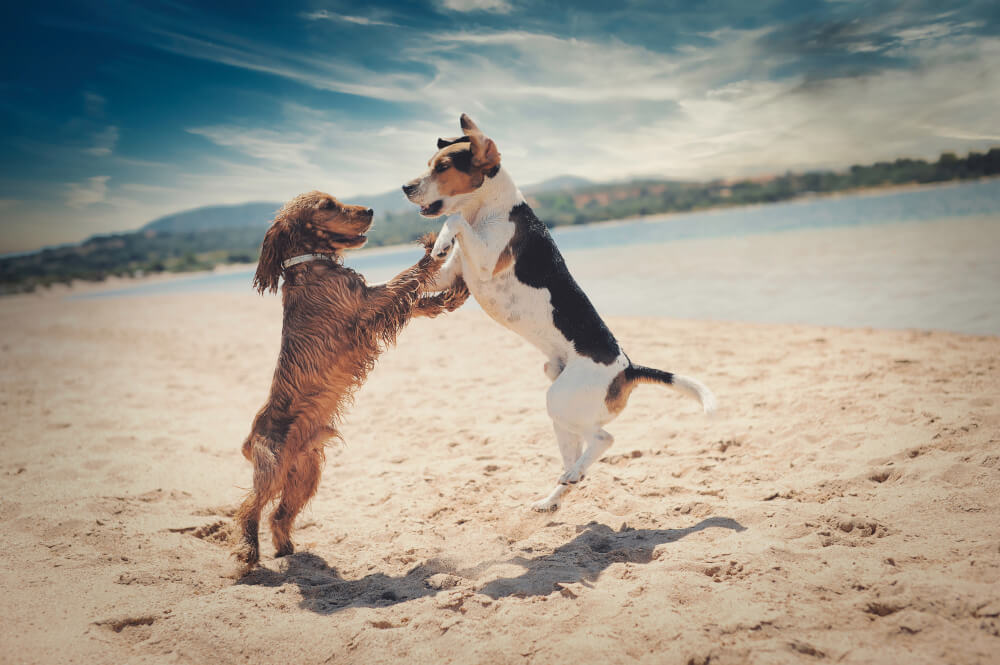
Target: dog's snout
(409, 188)
(369, 212)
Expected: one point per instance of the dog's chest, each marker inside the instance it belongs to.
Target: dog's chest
(524, 309)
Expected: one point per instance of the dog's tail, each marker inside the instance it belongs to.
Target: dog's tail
(685, 384)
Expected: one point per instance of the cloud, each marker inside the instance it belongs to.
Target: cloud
(321, 73)
(93, 190)
(605, 109)
(791, 124)
(831, 47)
(495, 6)
(285, 147)
(104, 142)
(719, 109)
(94, 103)
(534, 66)
(324, 15)
(315, 150)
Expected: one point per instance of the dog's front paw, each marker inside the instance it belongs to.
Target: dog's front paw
(440, 252)
(444, 243)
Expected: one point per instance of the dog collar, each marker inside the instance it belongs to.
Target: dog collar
(296, 260)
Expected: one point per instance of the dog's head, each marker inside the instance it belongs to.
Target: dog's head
(457, 170)
(311, 223)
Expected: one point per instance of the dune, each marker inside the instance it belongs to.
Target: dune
(842, 506)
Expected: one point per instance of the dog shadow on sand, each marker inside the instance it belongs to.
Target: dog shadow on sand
(581, 560)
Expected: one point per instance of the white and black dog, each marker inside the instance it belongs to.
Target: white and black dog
(516, 273)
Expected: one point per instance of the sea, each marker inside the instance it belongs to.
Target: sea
(920, 258)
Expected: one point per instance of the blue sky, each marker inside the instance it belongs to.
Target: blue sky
(114, 114)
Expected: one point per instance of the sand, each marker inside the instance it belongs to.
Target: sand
(843, 506)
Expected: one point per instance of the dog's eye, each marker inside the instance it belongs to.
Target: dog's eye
(442, 167)
(325, 204)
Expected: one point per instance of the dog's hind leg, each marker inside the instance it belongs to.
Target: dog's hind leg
(301, 482)
(570, 444)
(598, 442)
(260, 450)
(575, 465)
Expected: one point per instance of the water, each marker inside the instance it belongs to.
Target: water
(918, 258)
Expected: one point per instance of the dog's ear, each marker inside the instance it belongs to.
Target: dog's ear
(485, 155)
(272, 252)
(468, 127)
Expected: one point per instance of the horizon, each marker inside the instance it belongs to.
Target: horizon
(127, 114)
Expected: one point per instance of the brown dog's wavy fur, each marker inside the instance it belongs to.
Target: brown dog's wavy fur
(334, 327)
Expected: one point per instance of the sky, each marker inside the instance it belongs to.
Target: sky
(113, 114)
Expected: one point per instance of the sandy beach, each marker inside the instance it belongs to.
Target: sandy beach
(842, 506)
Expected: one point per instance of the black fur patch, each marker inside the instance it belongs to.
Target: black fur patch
(538, 264)
(461, 160)
(444, 143)
(636, 372)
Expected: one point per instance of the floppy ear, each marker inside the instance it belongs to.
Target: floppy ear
(271, 253)
(485, 155)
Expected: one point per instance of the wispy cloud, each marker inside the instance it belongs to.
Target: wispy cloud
(324, 15)
(316, 151)
(496, 6)
(93, 190)
(322, 73)
(93, 103)
(104, 142)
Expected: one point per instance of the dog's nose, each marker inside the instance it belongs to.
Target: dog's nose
(369, 212)
(409, 188)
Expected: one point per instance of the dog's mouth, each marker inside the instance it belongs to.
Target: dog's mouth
(350, 241)
(355, 239)
(433, 209)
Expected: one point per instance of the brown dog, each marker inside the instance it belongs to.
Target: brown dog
(335, 325)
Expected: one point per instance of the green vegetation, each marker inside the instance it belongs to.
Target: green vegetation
(604, 202)
(150, 250)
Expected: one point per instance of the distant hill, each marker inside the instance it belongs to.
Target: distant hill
(561, 182)
(211, 218)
